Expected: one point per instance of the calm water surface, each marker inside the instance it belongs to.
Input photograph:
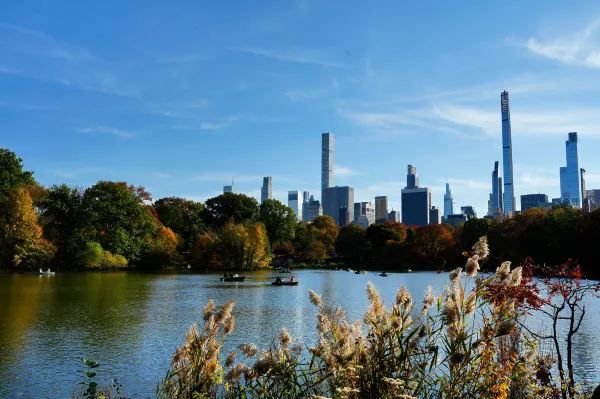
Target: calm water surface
(131, 323)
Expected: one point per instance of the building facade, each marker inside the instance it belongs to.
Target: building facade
(294, 203)
(364, 214)
(311, 209)
(416, 201)
(434, 215)
(266, 191)
(381, 208)
(529, 201)
(448, 201)
(594, 199)
(495, 203)
(469, 212)
(228, 189)
(569, 174)
(327, 144)
(507, 161)
(394, 216)
(339, 204)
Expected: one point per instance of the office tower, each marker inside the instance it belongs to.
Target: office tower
(529, 201)
(364, 214)
(228, 189)
(412, 180)
(585, 201)
(593, 196)
(305, 196)
(448, 202)
(495, 201)
(456, 219)
(507, 163)
(416, 201)
(434, 215)
(381, 208)
(266, 191)
(339, 204)
(394, 216)
(469, 212)
(569, 175)
(327, 143)
(311, 209)
(293, 202)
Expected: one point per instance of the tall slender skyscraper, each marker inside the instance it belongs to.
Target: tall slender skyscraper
(495, 201)
(569, 175)
(412, 179)
(381, 208)
(507, 163)
(327, 141)
(448, 202)
(266, 191)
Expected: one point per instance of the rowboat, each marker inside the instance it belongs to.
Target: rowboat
(47, 272)
(235, 277)
(279, 282)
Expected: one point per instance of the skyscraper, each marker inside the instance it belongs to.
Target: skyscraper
(507, 163)
(266, 191)
(569, 175)
(339, 204)
(311, 209)
(327, 142)
(416, 201)
(529, 201)
(412, 180)
(448, 202)
(495, 201)
(434, 215)
(294, 203)
(381, 208)
(364, 214)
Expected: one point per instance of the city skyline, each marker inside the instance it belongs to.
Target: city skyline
(208, 100)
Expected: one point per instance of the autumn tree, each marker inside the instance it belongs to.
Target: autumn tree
(434, 243)
(22, 243)
(183, 216)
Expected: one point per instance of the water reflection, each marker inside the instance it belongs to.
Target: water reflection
(131, 323)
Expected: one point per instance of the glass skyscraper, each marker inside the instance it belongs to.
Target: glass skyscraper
(507, 163)
(266, 191)
(327, 140)
(448, 202)
(495, 201)
(569, 175)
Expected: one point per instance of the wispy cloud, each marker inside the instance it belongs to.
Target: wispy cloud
(41, 44)
(293, 56)
(344, 171)
(304, 94)
(579, 48)
(117, 132)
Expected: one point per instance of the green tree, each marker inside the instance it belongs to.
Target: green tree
(66, 223)
(279, 220)
(122, 223)
(231, 208)
(22, 243)
(471, 231)
(352, 242)
(12, 174)
(379, 234)
(93, 256)
(183, 216)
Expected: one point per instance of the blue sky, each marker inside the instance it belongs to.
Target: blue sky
(181, 98)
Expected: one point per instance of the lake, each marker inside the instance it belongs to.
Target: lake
(131, 323)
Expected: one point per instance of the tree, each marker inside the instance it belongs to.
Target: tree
(184, 217)
(66, 223)
(122, 223)
(161, 249)
(94, 256)
(326, 231)
(22, 244)
(231, 208)
(472, 230)
(11, 173)
(381, 233)
(279, 220)
(434, 243)
(352, 242)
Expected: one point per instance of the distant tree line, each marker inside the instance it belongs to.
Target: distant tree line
(114, 225)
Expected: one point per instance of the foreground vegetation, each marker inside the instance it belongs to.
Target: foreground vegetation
(470, 341)
(114, 225)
